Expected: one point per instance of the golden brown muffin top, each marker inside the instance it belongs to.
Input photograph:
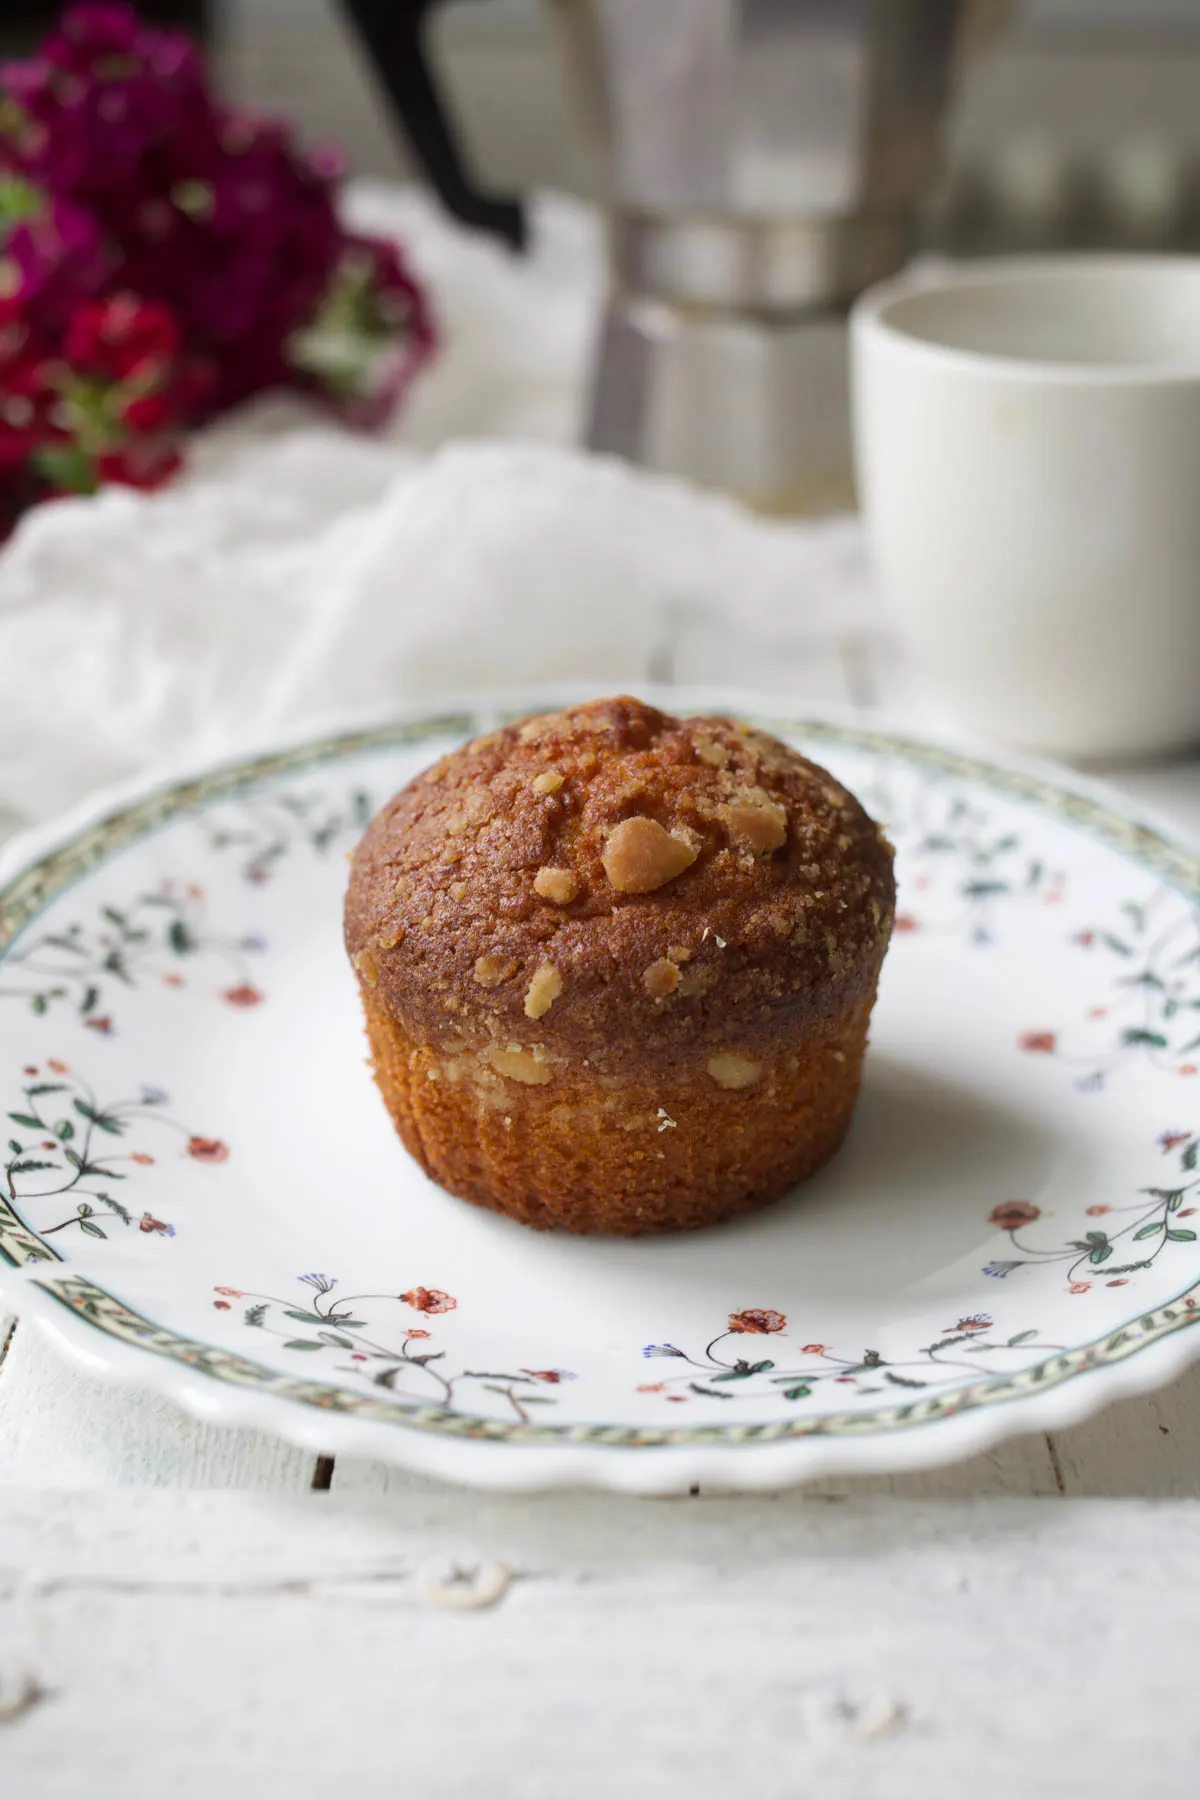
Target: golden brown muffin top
(615, 884)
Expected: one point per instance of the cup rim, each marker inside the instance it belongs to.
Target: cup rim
(870, 314)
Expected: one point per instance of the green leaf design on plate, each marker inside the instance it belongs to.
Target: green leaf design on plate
(180, 938)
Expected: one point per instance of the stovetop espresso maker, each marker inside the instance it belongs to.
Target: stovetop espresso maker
(761, 162)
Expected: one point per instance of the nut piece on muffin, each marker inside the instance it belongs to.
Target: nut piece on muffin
(617, 967)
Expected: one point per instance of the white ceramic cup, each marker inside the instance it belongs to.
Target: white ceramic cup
(1027, 437)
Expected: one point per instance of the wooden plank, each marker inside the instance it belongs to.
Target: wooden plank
(188, 1642)
(60, 1427)
(1149, 1445)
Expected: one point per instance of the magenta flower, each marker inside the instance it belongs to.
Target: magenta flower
(126, 186)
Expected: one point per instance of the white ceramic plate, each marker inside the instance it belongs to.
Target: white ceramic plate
(202, 1190)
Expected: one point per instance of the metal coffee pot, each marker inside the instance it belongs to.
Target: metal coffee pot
(761, 162)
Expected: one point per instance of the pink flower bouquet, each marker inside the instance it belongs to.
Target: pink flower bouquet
(163, 257)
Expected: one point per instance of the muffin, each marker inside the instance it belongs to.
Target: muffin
(617, 967)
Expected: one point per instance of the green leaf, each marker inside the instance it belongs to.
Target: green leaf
(254, 1315)
(1191, 1155)
(14, 1146)
(90, 1229)
(904, 1381)
(1135, 1034)
(90, 998)
(74, 1158)
(1096, 1237)
(1180, 1235)
(46, 1087)
(1174, 1203)
(28, 1120)
(102, 1121)
(744, 1371)
(1022, 1337)
(1150, 1230)
(115, 964)
(125, 1216)
(1114, 943)
(64, 1130)
(114, 917)
(331, 1337)
(26, 1166)
(66, 466)
(19, 200)
(800, 1391)
(301, 1344)
(305, 1318)
(709, 1393)
(180, 938)
(1101, 1253)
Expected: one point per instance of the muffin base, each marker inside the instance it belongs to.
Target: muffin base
(618, 1155)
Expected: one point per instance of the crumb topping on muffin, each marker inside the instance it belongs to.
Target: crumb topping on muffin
(612, 883)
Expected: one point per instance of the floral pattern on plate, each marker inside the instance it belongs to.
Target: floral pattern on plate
(59, 1162)
(161, 935)
(421, 1375)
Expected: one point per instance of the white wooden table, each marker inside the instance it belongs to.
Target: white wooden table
(1022, 1624)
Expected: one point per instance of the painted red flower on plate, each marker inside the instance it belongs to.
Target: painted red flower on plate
(759, 1319)
(1010, 1215)
(429, 1300)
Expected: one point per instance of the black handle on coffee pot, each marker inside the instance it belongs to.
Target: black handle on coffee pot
(392, 32)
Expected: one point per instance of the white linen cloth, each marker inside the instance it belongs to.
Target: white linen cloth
(297, 570)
